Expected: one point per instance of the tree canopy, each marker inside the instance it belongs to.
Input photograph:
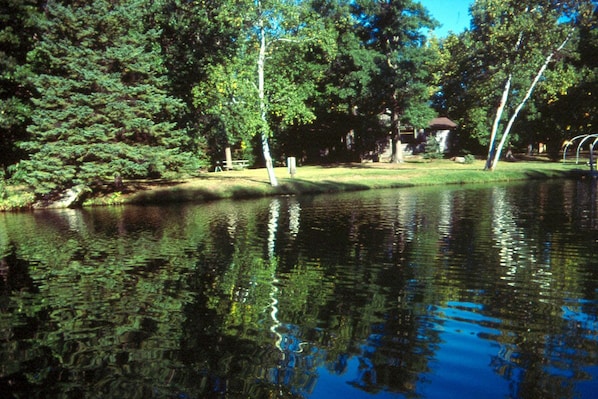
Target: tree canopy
(102, 106)
(18, 31)
(492, 70)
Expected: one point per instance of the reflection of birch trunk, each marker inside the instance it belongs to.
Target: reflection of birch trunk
(507, 236)
(446, 213)
(274, 314)
(273, 218)
(232, 224)
(294, 215)
(273, 226)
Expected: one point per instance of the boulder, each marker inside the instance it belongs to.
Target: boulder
(70, 198)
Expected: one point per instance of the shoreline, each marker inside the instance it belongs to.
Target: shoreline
(253, 183)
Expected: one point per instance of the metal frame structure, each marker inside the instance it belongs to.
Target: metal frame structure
(584, 138)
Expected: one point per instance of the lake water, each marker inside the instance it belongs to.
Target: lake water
(453, 292)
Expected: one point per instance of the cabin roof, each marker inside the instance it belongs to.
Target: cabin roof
(442, 123)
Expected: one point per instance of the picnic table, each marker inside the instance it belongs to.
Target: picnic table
(236, 164)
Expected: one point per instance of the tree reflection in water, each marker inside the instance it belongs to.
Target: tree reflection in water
(406, 293)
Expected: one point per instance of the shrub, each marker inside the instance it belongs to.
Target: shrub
(432, 150)
(469, 158)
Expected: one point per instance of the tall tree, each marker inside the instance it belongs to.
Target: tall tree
(268, 82)
(465, 90)
(396, 31)
(520, 39)
(566, 107)
(18, 33)
(197, 37)
(103, 107)
(226, 106)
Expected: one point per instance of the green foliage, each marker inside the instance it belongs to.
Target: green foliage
(469, 159)
(103, 104)
(153, 90)
(382, 64)
(509, 42)
(3, 192)
(393, 34)
(18, 30)
(432, 150)
(298, 48)
(565, 106)
(226, 102)
(114, 198)
(12, 199)
(195, 36)
(461, 85)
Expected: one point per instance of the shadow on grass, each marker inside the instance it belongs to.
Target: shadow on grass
(174, 195)
(538, 174)
(239, 191)
(374, 165)
(246, 188)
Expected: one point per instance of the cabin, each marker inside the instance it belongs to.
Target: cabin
(442, 128)
(414, 140)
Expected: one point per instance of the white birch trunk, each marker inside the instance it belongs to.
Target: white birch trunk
(261, 94)
(500, 109)
(530, 90)
(496, 123)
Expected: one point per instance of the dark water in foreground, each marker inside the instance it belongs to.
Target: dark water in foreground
(415, 293)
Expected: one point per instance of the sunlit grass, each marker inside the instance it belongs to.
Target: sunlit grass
(252, 183)
(347, 177)
(15, 198)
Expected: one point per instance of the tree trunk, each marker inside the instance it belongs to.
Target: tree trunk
(268, 159)
(500, 110)
(397, 146)
(496, 123)
(228, 156)
(527, 96)
(261, 94)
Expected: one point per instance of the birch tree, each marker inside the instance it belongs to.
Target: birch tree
(517, 42)
(567, 106)
(294, 49)
(261, 65)
(281, 54)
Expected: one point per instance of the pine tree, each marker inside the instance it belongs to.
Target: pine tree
(18, 31)
(103, 107)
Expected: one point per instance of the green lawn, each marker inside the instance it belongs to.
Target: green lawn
(312, 179)
(323, 179)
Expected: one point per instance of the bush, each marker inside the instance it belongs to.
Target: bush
(12, 198)
(2, 187)
(432, 150)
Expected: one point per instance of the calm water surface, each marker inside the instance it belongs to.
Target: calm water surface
(415, 293)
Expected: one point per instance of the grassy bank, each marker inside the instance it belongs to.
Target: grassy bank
(253, 183)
